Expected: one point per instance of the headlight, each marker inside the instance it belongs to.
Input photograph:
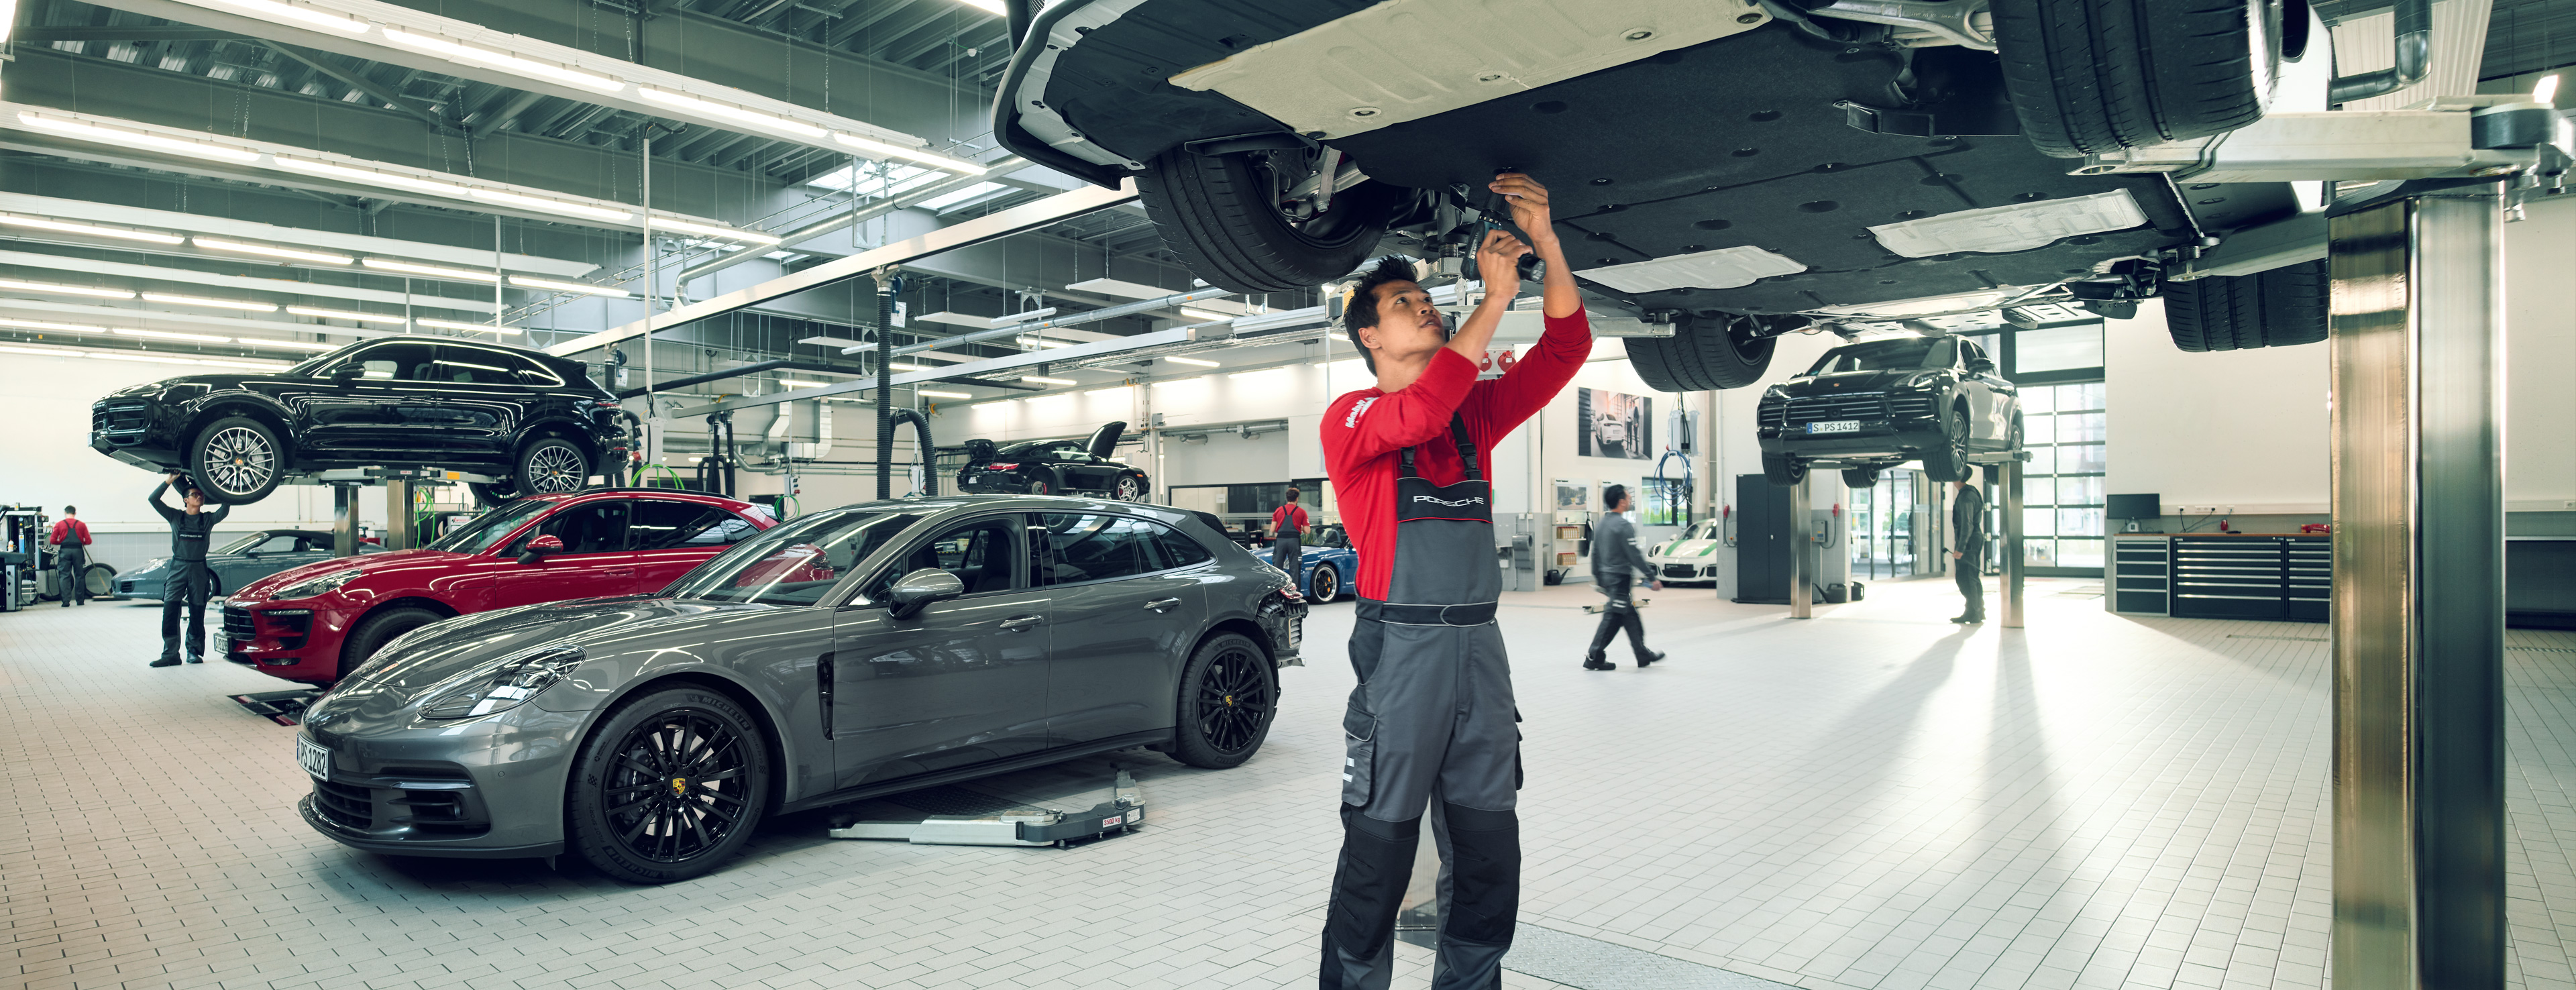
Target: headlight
(323, 585)
(1920, 379)
(503, 687)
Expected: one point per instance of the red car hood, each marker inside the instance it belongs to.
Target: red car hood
(411, 568)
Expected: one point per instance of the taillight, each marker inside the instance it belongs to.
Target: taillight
(1001, 467)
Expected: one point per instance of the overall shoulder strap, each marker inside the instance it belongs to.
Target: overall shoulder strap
(1466, 446)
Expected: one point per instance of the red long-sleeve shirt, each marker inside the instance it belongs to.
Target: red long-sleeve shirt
(1365, 430)
(1286, 518)
(69, 529)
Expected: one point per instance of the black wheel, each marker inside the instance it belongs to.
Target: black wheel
(1325, 585)
(378, 629)
(1129, 488)
(1949, 461)
(1783, 470)
(236, 460)
(1233, 220)
(1860, 477)
(668, 787)
(1227, 702)
(2014, 442)
(2089, 76)
(1038, 486)
(551, 466)
(1703, 354)
(492, 496)
(2283, 307)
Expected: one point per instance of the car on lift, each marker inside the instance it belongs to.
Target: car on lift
(240, 562)
(1690, 558)
(859, 651)
(316, 622)
(528, 422)
(1877, 403)
(1054, 467)
(1720, 172)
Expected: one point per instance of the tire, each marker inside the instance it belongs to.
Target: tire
(236, 460)
(550, 466)
(1040, 487)
(1128, 488)
(100, 578)
(492, 496)
(1949, 462)
(1218, 214)
(2284, 307)
(689, 738)
(1325, 586)
(1703, 355)
(2090, 76)
(376, 630)
(1228, 699)
(1860, 477)
(1783, 470)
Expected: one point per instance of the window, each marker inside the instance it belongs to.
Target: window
(591, 527)
(661, 525)
(404, 362)
(476, 366)
(481, 531)
(2062, 499)
(983, 553)
(1896, 354)
(1100, 547)
(794, 564)
(314, 541)
(1882, 525)
(1179, 550)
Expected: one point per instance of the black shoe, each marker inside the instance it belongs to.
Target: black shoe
(1599, 665)
(1643, 661)
(192, 658)
(166, 662)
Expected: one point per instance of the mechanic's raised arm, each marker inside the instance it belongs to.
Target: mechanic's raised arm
(1359, 426)
(154, 500)
(1567, 341)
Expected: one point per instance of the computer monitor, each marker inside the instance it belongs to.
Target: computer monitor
(2147, 506)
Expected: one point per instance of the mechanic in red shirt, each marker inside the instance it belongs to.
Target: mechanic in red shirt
(1288, 534)
(71, 557)
(1432, 723)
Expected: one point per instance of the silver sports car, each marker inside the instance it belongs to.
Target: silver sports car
(858, 651)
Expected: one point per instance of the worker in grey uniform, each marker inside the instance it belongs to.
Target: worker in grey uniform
(1968, 549)
(190, 583)
(1432, 727)
(1616, 563)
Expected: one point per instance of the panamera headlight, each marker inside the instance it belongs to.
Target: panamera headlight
(503, 686)
(312, 586)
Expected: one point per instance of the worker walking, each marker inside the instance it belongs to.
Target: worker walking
(190, 583)
(1432, 719)
(1288, 535)
(1968, 549)
(70, 539)
(1616, 563)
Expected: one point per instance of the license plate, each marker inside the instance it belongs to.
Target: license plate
(313, 758)
(1835, 426)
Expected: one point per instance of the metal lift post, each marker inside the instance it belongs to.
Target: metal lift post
(2009, 492)
(1803, 564)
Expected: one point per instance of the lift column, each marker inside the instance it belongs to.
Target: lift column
(2418, 615)
(400, 522)
(344, 519)
(2008, 491)
(1802, 548)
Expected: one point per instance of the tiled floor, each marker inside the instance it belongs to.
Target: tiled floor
(1871, 799)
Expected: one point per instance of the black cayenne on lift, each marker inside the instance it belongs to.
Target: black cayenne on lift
(1872, 405)
(1735, 169)
(532, 421)
(1054, 467)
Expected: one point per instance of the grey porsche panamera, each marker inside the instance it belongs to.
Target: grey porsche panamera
(859, 651)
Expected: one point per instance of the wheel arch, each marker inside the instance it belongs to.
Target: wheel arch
(245, 404)
(772, 740)
(561, 427)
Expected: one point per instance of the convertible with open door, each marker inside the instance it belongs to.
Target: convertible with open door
(1722, 171)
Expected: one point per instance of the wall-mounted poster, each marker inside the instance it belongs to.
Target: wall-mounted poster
(1613, 424)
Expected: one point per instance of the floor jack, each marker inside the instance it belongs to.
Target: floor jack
(1027, 825)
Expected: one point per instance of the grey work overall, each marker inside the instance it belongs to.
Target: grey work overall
(1432, 719)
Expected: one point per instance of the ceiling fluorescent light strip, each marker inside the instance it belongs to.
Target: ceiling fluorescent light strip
(473, 327)
(545, 205)
(1043, 380)
(251, 307)
(319, 313)
(120, 233)
(11, 321)
(172, 335)
(431, 271)
(929, 393)
(292, 345)
(526, 282)
(86, 131)
(710, 230)
(274, 252)
(723, 111)
(273, 11)
(68, 290)
(501, 60)
(1190, 360)
(882, 149)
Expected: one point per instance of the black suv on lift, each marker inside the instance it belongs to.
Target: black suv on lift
(534, 422)
(1872, 405)
(1736, 169)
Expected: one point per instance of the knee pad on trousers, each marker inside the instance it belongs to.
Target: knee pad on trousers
(1369, 882)
(1485, 874)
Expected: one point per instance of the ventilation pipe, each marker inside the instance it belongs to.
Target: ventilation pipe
(920, 439)
(2414, 58)
(888, 283)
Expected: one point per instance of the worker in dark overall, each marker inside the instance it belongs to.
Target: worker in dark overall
(71, 557)
(1288, 534)
(1968, 549)
(190, 583)
(1431, 726)
(1616, 564)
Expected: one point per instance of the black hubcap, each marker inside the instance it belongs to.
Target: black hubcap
(1233, 702)
(676, 786)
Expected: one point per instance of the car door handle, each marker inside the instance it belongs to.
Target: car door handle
(1019, 622)
(620, 572)
(1163, 604)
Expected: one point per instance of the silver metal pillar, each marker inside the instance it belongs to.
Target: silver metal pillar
(344, 520)
(2418, 620)
(400, 521)
(1802, 549)
(2009, 481)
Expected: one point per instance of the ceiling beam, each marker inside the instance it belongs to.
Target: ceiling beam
(362, 84)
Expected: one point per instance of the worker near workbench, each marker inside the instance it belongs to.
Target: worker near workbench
(1288, 534)
(190, 583)
(1431, 726)
(71, 556)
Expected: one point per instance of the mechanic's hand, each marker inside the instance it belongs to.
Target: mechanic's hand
(1656, 585)
(176, 477)
(1528, 202)
(1498, 262)
(1954, 555)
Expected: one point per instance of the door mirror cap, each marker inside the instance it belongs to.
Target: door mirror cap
(347, 371)
(540, 547)
(1981, 366)
(916, 591)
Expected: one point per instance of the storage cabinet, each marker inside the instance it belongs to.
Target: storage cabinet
(2221, 576)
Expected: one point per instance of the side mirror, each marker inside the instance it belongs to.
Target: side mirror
(252, 553)
(347, 371)
(540, 547)
(1981, 366)
(916, 591)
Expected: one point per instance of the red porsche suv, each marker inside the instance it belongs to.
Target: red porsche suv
(312, 622)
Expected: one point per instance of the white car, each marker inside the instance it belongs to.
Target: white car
(1690, 557)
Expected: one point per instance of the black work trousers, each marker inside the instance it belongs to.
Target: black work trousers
(187, 587)
(69, 580)
(1969, 571)
(1619, 612)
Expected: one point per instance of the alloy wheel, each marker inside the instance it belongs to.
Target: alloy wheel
(239, 461)
(1233, 701)
(554, 470)
(1129, 490)
(675, 787)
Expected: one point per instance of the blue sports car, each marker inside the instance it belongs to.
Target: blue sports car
(1325, 573)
